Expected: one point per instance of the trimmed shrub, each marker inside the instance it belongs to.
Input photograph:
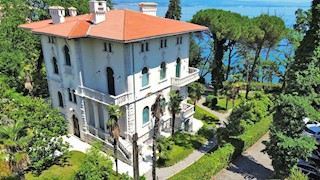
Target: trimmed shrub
(208, 165)
(211, 101)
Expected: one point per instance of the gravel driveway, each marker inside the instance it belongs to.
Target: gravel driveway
(253, 164)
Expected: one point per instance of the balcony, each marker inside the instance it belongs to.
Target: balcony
(187, 110)
(192, 76)
(100, 97)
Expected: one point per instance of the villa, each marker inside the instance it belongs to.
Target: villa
(116, 57)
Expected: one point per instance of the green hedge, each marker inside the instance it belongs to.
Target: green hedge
(208, 165)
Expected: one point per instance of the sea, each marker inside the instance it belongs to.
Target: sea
(251, 8)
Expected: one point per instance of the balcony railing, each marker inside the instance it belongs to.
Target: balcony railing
(187, 110)
(192, 76)
(100, 97)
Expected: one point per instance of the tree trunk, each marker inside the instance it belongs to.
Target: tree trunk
(154, 147)
(229, 63)
(227, 101)
(216, 72)
(115, 148)
(135, 157)
(256, 57)
(173, 123)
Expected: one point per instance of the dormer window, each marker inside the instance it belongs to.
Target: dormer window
(107, 47)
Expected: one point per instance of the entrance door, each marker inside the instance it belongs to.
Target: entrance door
(76, 126)
(110, 81)
(178, 66)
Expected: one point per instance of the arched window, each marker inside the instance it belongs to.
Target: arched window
(163, 105)
(145, 77)
(55, 65)
(74, 96)
(70, 95)
(67, 55)
(162, 71)
(145, 115)
(60, 99)
(178, 67)
(110, 77)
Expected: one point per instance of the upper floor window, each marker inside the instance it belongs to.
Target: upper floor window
(50, 39)
(145, 115)
(179, 40)
(108, 47)
(60, 99)
(163, 43)
(67, 55)
(55, 65)
(74, 96)
(178, 67)
(147, 46)
(162, 71)
(145, 77)
(70, 94)
(144, 47)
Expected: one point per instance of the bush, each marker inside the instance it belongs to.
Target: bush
(211, 101)
(297, 175)
(208, 165)
(206, 131)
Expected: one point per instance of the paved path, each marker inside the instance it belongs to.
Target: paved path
(222, 116)
(167, 172)
(253, 164)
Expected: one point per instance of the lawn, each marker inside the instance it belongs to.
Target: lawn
(206, 117)
(65, 172)
(178, 150)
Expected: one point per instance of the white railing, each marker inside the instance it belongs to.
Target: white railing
(187, 110)
(100, 97)
(192, 76)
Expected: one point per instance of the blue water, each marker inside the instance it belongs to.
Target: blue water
(282, 8)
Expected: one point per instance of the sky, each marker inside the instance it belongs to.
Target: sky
(289, 3)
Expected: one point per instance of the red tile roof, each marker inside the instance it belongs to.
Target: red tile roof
(120, 25)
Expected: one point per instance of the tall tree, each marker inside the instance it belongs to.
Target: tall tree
(287, 144)
(226, 28)
(114, 129)
(157, 113)
(174, 108)
(304, 72)
(266, 32)
(174, 10)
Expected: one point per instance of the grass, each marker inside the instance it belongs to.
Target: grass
(183, 145)
(206, 117)
(65, 172)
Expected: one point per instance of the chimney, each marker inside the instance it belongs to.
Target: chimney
(57, 13)
(98, 10)
(149, 8)
(72, 11)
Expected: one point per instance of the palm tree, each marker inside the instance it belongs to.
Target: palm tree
(157, 113)
(14, 139)
(195, 91)
(174, 108)
(114, 129)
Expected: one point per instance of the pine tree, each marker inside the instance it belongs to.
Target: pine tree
(304, 72)
(174, 10)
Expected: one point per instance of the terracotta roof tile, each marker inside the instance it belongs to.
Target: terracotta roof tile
(120, 25)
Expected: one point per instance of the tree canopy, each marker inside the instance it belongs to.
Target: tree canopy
(174, 10)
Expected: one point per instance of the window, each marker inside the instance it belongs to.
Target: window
(178, 65)
(147, 46)
(67, 55)
(163, 43)
(107, 47)
(51, 40)
(55, 65)
(145, 77)
(60, 99)
(145, 115)
(179, 40)
(163, 105)
(74, 96)
(70, 95)
(162, 71)
(142, 47)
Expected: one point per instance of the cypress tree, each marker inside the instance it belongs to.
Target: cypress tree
(174, 10)
(304, 72)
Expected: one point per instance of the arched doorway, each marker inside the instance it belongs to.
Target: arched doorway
(76, 129)
(178, 67)
(110, 76)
